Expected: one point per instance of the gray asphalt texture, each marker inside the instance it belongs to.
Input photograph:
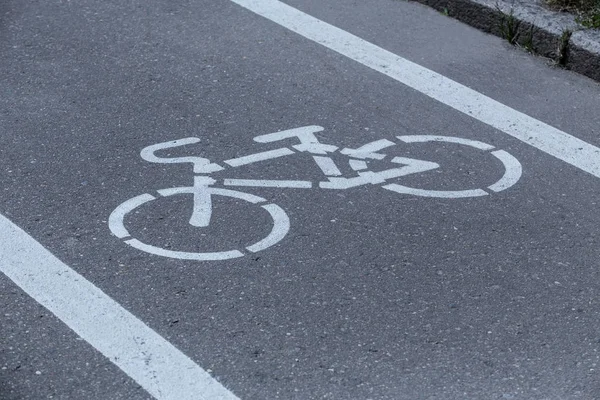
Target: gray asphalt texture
(372, 295)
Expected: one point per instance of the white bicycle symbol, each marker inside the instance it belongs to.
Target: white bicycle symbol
(203, 191)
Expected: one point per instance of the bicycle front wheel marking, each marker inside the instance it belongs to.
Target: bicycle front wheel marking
(512, 173)
(281, 225)
(512, 169)
(445, 194)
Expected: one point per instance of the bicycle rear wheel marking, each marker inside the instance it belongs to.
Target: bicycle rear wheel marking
(184, 255)
(281, 225)
(115, 221)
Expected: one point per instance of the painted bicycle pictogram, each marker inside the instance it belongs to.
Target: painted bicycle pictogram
(205, 188)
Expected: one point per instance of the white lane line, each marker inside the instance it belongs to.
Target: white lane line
(327, 166)
(154, 363)
(265, 155)
(268, 183)
(512, 122)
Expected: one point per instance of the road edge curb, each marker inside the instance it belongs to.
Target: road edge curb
(550, 34)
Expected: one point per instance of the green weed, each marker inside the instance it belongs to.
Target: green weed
(509, 26)
(563, 48)
(587, 11)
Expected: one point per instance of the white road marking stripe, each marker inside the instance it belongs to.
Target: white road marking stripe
(445, 194)
(511, 175)
(221, 192)
(358, 165)
(202, 210)
(201, 165)
(368, 150)
(281, 226)
(268, 183)
(115, 221)
(512, 122)
(448, 139)
(327, 166)
(306, 134)
(411, 166)
(155, 364)
(185, 255)
(265, 155)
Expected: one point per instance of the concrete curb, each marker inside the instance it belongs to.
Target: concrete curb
(543, 31)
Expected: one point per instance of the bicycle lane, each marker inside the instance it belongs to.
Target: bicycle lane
(322, 312)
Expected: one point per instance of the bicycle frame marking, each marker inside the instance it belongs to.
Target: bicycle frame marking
(202, 190)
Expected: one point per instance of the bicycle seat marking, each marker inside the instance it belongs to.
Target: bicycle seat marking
(203, 190)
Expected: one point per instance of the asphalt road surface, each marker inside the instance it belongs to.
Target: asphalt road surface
(426, 227)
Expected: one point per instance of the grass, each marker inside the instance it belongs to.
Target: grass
(590, 20)
(563, 48)
(509, 26)
(587, 11)
(512, 30)
(521, 34)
